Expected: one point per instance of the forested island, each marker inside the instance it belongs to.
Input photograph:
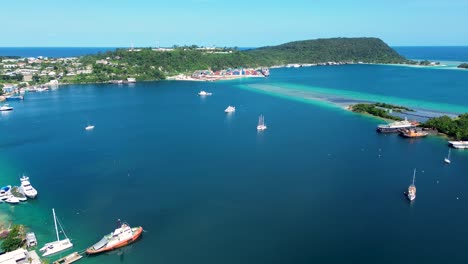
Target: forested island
(155, 64)
(463, 66)
(380, 110)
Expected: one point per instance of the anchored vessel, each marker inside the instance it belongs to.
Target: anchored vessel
(59, 245)
(459, 144)
(230, 109)
(203, 93)
(412, 133)
(396, 126)
(89, 127)
(27, 188)
(261, 123)
(412, 188)
(6, 107)
(122, 236)
(447, 159)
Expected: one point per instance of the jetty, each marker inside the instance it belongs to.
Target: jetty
(75, 256)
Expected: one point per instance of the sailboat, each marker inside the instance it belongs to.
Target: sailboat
(412, 189)
(447, 159)
(89, 127)
(261, 123)
(59, 245)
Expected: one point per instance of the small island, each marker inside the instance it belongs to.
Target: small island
(463, 66)
(382, 110)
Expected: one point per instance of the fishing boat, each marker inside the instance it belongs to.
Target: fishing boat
(75, 256)
(26, 188)
(122, 236)
(447, 159)
(412, 133)
(16, 192)
(261, 123)
(89, 127)
(396, 126)
(412, 188)
(459, 144)
(230, 109)
(59, 245)
(203, 93)
(5, 192)
(6, 107)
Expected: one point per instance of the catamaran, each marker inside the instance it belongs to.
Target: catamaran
(59, 245)
(261, 123)
(412, 188)
(447, 159)
(26, 188)
(122, 236)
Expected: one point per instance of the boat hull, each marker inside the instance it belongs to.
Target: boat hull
(124, 243)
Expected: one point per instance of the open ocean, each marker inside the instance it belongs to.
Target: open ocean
(318, 186)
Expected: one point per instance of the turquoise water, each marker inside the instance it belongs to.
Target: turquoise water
(319, 186)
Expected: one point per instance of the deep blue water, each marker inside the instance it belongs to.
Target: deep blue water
(319, 186)
(459, 53)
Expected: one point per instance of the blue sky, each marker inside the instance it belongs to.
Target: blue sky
(243, 23)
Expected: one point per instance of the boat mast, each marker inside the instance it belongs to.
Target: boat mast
(55, 222)
(414, 175)
(449, 154)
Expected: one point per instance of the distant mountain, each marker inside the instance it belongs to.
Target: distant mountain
(370, 50)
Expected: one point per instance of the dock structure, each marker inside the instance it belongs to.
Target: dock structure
(75, 256)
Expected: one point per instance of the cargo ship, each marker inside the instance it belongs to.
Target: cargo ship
(122, 236)
(412, 133)
(396, 126)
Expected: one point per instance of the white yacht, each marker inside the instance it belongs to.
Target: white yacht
(261, 123)
(447, 159)
(230, 109)
(12, 200)
(27, 188)
(459, 144)
(89, 127)
(59, 245)
(6, 107)
(203, 93)
(5, 192)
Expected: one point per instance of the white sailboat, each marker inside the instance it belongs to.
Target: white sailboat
(447, 159)
(412, 189)
(261, 123)
(59, 245)
(89, 127)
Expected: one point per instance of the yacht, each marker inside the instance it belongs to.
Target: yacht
(261, 123)
(16, 192)
(447, 159)
(6, 107)
(12, 200)
(412, 188)
(59, 245)
(122, 236)
(27, 188)
(396, 126)
(459, 144)
(89, 127)
(203, 93)
(230, 109)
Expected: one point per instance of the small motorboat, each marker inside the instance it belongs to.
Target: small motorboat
(89, 127)
(6, 107)
(5, 192)
(447, 159)
(230, 109)
(12, 200)
(203, 93)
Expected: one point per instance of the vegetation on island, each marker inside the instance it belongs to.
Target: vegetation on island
(14, 239)
(380, 110)
(463, 66)
(154, 64)
(455, 128)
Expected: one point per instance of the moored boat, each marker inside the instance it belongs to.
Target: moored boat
(89, 127)
(59, 245)
(122, 236)
(5, 192)
(26, 188)
(459, 144)
(412, 133)
(412, 188)
(396, 126)
(12, 200)
(447, 159)
(6, 107)
(14, 98)
(230, 109)
(204, 93)
(261, 123)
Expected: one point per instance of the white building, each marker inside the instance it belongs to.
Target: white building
(20, 256)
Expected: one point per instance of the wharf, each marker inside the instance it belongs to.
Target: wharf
(69, 259)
